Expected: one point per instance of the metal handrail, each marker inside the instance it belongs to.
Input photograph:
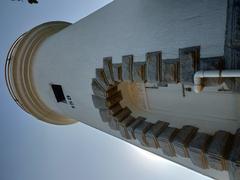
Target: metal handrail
(7, 72)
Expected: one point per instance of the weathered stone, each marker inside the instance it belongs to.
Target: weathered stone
(139, 71)
(171, 71)
(153, 67)
(99, 102)
(234, 158)
(189, 63)
(105, 115)
(116, 98)
(101, 78)
(98, 90)
(182, 140)
(107, 67)
(133, 126)
(123, 126)
(140, 132)
(105, 103)
(115, 109)
(165, 141)
(117, 72)
(218, 149)
(122, 114)
(127, 65)
(114, 124)
(197, 150)
(152, 134)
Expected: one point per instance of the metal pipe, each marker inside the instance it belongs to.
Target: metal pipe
(199, 75)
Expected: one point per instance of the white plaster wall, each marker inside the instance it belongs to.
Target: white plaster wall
(69, 58)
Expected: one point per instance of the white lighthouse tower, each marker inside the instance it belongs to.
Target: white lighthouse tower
(162, 75)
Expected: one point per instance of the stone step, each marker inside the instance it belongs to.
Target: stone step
(140, 132)
(122, 114)
(101, 78)
(218, 149)
(106, 103)
(171, 71)
(107, 67)
(105, 115)
(116, 98)
(165, 141)
(234, 158)
(133, 126)
(115, 109)
(152, 134)
(127, 65)
(98, 90)
(114, 124)
(99, 102)
(117, 72)
(189, 63)
(153, 67)
(139, 71)
(123, 125)
(182, 140)
(198, 148)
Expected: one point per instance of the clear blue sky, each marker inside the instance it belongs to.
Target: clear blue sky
(33, 150)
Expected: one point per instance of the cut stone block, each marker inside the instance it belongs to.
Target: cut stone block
(116, 98)
(218, 149)
(182, 140)
(115, 109)
(105, 103)
(107, 67)
(234, 158)
(153, 67)
(117, 72)
(139, 71)
(197, 150)
(105, 115)
(114, 124)
(152, 134)
(127, 65)
(123, 125)
(101, 78)
(99, 102)
(125, 112)
(133, 126)
(165, 141)
(98, 90)
(140, 132)
(189, 63)
(171, 71)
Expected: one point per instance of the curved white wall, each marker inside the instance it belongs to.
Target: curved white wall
(70, 57)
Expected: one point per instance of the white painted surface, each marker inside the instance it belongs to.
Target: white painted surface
(69, 58)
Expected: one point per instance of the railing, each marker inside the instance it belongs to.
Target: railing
(7, 70)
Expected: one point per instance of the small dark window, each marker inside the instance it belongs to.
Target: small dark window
(58, 92)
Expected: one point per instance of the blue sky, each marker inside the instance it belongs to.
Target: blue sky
(33, 150)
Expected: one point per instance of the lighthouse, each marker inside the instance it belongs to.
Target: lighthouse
(161, 75)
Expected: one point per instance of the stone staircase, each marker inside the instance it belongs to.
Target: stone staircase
(220, 151)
